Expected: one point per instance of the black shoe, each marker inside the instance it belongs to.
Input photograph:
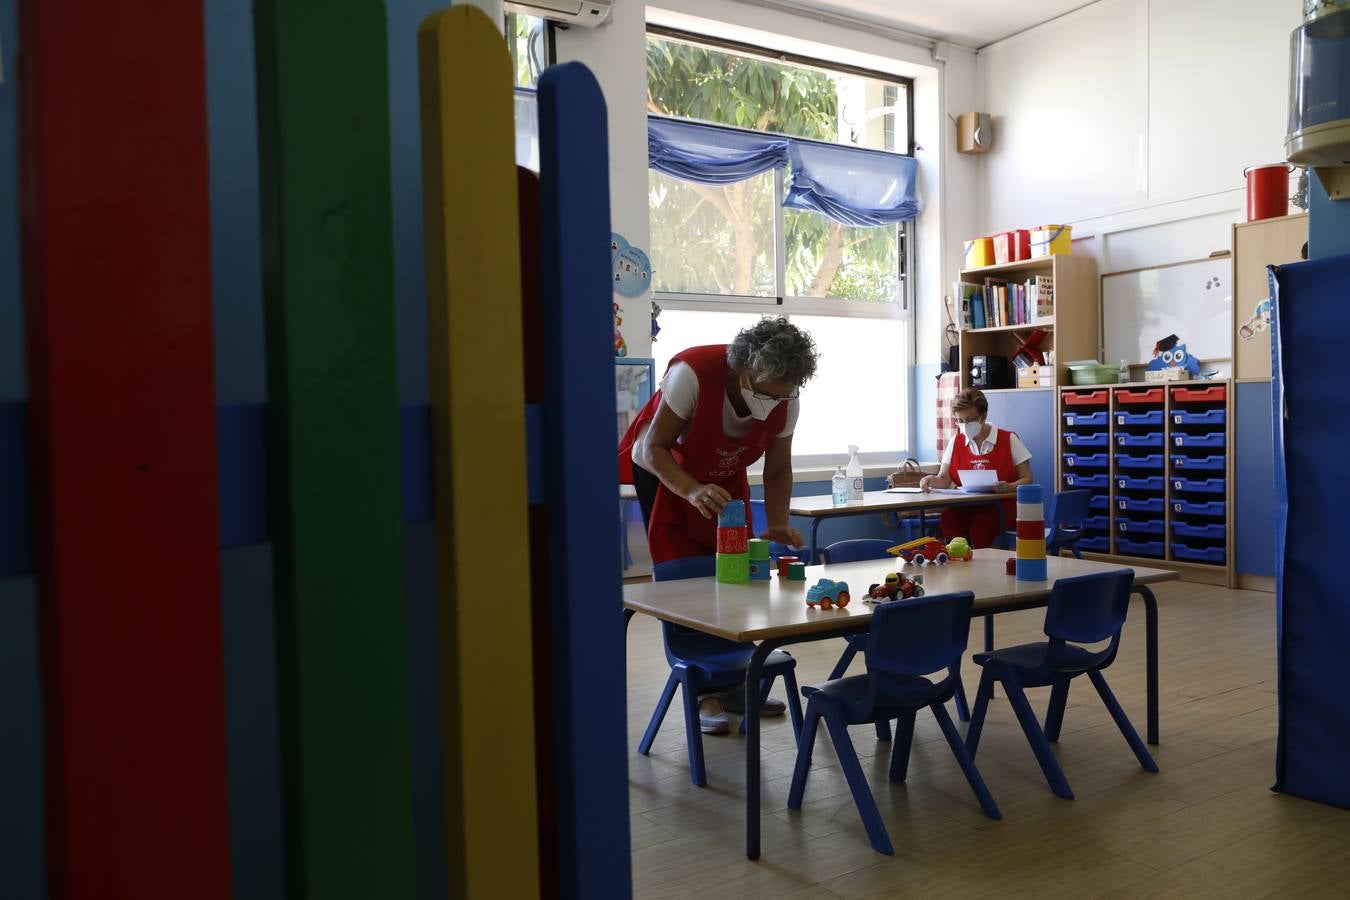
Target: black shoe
(733, 701)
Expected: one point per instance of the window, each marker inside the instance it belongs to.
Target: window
(530, 42)
(726, 254)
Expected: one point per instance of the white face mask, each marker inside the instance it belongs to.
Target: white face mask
(759, 407)
(972, 429)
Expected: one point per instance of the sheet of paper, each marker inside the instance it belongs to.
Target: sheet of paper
(904, 490)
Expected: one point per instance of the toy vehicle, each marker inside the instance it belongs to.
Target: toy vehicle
(959, 549)
(828, 594)
(897, 586)
(921, 552)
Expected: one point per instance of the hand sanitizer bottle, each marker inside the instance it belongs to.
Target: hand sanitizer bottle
(1124, 372)
(839, 487)
(855, 477)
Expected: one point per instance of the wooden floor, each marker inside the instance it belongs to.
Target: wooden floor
(1207, 825)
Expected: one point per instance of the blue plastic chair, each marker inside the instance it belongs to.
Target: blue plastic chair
(703, 662)
(1068, 512)
(859, 550)
(1087, 609)
(759, 520)
(907, 641)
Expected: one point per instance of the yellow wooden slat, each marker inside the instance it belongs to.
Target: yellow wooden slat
(478, 403)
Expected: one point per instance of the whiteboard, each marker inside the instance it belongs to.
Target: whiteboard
(1192, 300)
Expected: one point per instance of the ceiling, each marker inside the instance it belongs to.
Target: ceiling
(973, 23)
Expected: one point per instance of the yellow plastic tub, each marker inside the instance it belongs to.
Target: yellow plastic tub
(1050, 239)
(979, 253)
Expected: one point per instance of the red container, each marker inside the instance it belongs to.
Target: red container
(1005, 244)
(1199, 395)
(783, 563)
(1085, 398)
(1267, 191)
(1147, 395)
(1021, 244)
(733, 539)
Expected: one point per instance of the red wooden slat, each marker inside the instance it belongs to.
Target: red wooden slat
(118, 310)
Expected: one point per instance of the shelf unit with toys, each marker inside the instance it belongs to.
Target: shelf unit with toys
(1067, 323)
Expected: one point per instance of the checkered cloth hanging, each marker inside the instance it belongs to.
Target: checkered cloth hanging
(949, 385)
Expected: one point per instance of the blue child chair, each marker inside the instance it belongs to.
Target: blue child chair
(906, 641)
(703, 662)
(1087, 609)
(759, 520)
(1069, 513)
(857, 551)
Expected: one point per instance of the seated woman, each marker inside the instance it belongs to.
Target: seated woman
(979, 446)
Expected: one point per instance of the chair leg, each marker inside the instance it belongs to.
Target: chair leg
(806, 743)
(967, 764)
(659, 714)
(845, 660)
(857, 782)
(959, 698)
(904, 741)
(982, 695)
(794, 702)
(883, 730)
(1054, 775)
(693, 736)
(1054, 716)
(1123, 722)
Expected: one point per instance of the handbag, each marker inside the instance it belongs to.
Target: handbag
(907, 475)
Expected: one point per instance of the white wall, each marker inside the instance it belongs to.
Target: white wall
(1132, 120)
(617, 54)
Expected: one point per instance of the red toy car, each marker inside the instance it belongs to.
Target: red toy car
(924, 550)
(897, 586)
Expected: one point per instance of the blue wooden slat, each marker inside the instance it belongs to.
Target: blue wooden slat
(580, 469)
(1254, 481)
(241, 443)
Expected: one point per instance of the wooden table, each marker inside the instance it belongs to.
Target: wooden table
(821, 507)
(775, 614)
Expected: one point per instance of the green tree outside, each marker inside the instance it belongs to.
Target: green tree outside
(720, 238)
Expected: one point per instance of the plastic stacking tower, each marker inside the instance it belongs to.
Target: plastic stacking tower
(760, 564)
(733, 551)
(1030, 533)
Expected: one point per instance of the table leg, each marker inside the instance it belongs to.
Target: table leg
(752, 705)
(627, 617)
(989, 634)
(1151, 662)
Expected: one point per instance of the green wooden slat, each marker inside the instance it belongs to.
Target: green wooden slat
(328, 255)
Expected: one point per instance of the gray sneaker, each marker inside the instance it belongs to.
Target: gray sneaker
(733, 701)
(711, 718)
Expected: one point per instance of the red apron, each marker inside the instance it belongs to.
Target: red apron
(999, 459)
(678, 530)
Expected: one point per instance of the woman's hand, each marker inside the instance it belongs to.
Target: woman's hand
(708, 499)
(784, 534)
(1004, 487)
(893, 479)
(926, 483)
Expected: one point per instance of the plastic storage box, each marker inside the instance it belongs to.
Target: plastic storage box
(1213, 440)
(1197, 554)
(1139, 526)
(1085, 398)
(1198, 485)
(1099, 419)
(1142, 395)
(1208, 417)
(1152, 461)
(1199, 463)
(1152, 417)
(1152, 483)
(1129, 547)
(1102, 481)
(1141, 504)
(1215, 531)
(1148, 439)
(1092, 439)
(1086, 460)
(1191, 508)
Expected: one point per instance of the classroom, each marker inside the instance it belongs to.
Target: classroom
(956, 350)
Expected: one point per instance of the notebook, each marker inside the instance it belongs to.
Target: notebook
(978, 481)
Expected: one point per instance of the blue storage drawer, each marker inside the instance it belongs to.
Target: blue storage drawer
(1152, 417)
(1213, 440)
(1141, 505)
(1199, 463)
(1076, 480)
(1097, 523)
(1151, 439)
(1080, 460)
(1208, 417)
(1153, 461)
(1214, 531)
(1087, 420)
(1153, 483)
(1099, 501)
(1128, 547)
(1099, 544)
(1191, 508)
(1090, 439)
(1139, 526)
(1198, 485)
(1196, 554)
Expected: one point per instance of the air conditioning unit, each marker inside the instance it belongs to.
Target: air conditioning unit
(586, 13)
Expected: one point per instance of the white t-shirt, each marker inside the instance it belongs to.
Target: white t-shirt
(679, 391)
(1020, 453)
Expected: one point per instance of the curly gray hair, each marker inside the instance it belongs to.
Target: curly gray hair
(773, 349)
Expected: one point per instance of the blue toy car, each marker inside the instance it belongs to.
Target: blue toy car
(828, 594)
